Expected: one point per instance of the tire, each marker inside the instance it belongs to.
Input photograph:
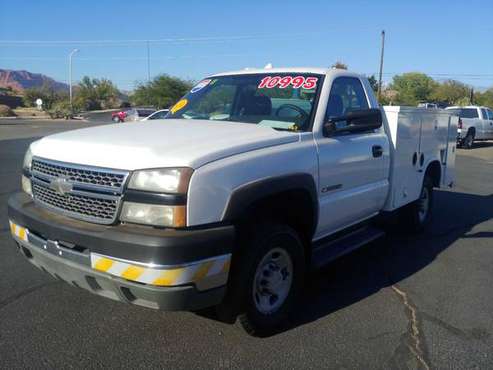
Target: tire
(268, 279)
(116, 119)
(468, 141)
(417, 215)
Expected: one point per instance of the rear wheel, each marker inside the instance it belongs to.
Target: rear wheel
(269, 278)
(116, 119)
(468, 140)
(415, 216)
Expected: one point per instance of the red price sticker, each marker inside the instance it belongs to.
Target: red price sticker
(296, 82)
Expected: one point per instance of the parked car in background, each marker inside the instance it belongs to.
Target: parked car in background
(118, 116)
(428, 105)
(475, 123)
(160, 114)
(131, 115)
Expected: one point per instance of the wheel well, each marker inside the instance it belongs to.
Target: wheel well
(434, 170)
(293, 207)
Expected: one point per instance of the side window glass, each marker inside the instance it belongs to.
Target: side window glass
(346, 95)
(484, 114)
(490, 114)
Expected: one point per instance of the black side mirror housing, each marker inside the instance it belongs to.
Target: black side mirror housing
(358, 120)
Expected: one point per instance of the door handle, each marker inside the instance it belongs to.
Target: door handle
(377, 151)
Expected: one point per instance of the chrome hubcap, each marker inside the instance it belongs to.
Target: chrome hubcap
(273, 280)
(424, 204)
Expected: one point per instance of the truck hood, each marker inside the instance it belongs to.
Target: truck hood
(160, 143)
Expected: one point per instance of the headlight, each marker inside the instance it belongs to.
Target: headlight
(153, 214)
(166, 180)
(28, 158)
(26, 166)
(26, 185)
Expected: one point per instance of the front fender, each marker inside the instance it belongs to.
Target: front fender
(221, 189)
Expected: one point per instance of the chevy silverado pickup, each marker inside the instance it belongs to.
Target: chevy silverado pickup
(253, 178)
(475, 124)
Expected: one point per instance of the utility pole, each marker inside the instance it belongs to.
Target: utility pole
(148, 72)
(70, 76)
(381, 67)
(148, 62)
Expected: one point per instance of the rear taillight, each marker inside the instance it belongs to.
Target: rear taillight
(459, 125)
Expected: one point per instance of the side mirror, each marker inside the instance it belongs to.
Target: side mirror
(358, 120)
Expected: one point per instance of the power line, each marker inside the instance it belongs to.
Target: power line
(169, 57)
(161, 40)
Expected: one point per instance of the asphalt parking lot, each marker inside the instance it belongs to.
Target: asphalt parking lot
(403, 302)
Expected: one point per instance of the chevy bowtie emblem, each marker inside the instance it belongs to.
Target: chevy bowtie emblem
(61, 185)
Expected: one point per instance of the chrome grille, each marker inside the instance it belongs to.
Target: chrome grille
(80, 206)
(94, 193)
(78, 174)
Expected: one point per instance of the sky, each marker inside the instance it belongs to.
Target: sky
(192, 39)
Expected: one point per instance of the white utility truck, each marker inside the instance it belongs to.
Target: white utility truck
(253, 178)
(475, 123)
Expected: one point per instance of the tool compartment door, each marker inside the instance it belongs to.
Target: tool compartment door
(448, 178)
(405, 182)
(437, 142)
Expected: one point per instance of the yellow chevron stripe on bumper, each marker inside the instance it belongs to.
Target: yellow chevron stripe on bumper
(18, 231)
(162, 275)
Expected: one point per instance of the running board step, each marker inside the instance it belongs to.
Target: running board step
(326, 251)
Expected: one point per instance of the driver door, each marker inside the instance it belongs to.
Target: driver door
(353, 167)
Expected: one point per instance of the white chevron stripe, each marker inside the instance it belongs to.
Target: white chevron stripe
(117, 268)
(149, 275)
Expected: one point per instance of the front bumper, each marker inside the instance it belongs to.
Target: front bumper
(162, 269)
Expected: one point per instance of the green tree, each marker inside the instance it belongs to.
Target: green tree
(162, 92)
(450, 92)
(339, 65)
(412, 88)
(373, 83)
(93, 93)
(7, 91)
(46, 93)
(484, 98)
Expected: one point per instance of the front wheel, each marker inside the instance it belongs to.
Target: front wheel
(271, 275)
(416, 216)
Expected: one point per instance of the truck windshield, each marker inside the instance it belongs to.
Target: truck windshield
(281, 101)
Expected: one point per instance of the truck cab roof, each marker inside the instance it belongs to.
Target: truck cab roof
(468, 106)
(312, 70)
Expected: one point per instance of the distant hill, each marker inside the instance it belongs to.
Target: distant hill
(21, 80)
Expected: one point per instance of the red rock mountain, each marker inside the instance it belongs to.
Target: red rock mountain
(20, 80)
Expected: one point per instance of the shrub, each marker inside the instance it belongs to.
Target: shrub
(5, 111)
(61, 109)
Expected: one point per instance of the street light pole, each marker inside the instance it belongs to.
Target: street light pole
(70, 76)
